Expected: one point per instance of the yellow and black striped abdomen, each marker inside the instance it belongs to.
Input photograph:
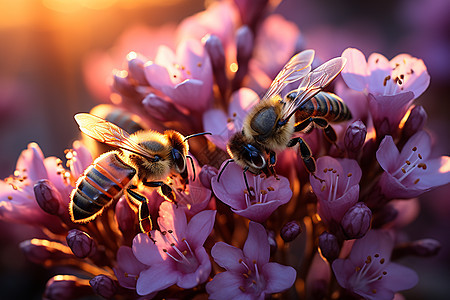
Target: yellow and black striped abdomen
(100, 183)
(326, 105)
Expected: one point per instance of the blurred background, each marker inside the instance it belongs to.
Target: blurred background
(56, 57)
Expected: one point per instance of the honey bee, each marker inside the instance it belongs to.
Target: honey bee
(146, 157)
(270, 125)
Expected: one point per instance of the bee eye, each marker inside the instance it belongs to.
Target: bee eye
(179, 160)
(254, 157)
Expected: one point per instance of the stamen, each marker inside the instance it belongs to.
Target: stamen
(171, 256)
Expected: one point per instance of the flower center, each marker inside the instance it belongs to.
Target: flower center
(371, 271)
(181, 253)
(253, 282)
(333, 181)
(413, 162)
(258, 194)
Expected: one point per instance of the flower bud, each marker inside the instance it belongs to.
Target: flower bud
(214, 47)
(103, 286)
(415, 122)
(159, 108)
(136, 68)
(356, 221)
(81, 243)
(66, 287)
(355, 136)
(43, 251)
(47, 196)
(206, 174)
(290, 231)
(244, 44)
(251, 11)
(122, 84)
(329, 246)
(422, 248)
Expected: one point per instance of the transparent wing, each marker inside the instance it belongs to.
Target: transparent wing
(295, 69)
(108, 133)
(313, 83)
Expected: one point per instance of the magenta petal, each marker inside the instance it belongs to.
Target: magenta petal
(146, 250)
(378, 241)
(156, 278)
(157, 76)
(399, 277)
(227, 256)
(259, 212)
(279, 277)
(190, 94)
(256, 246)
(355, 71)
(190, 280)
(31, 160)
(225, 286)
(200, 227)
(172, 218)
(215, 121)
(387, 154)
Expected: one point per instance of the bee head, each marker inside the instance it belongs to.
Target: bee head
(179, 150)
(246, 154)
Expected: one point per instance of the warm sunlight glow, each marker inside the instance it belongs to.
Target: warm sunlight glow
(445, 165)
(405, 117)
(234, 67)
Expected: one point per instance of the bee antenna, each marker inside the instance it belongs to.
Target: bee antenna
(223, 169)
(192, 164)
(194, 135)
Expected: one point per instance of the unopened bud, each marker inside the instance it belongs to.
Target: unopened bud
(103, 286)
(214, 47)
(122, 84)
(47, 196)
(415, 122)
(125, 215)
(355, 136)
(356, 221)
(81, 244)
(43, 251)
(244, 44)
(290, 231)
(251, 11)
(423, 248)
(136, 68)
(66, 287)
(158, 108)
(329, 246)
(206, 174)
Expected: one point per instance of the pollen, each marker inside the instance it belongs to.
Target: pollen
(271, 189)
(382, 261)
(10, 197)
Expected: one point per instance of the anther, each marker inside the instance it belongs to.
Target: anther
(349, 175)
(242, 289)
(420, 156)
(416, 181)
(414, 148)
(374, 291)
(271, 189)
(382, 261)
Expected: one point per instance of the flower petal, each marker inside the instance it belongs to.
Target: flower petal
(387, 154)
(355, 71)
(279, 277)
(227, 256)
(225, 286)
(156, 278)
(256, 246)
(190, 280)
(200, 227)
(145, 250)
(172, 218)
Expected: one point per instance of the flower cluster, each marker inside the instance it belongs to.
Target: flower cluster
(231, 233)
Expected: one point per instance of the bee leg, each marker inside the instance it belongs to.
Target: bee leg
(166, 190)
(304, 126)
(305, 153)
(328, 131)
(272, 162)
(145, 223)
(246, 182)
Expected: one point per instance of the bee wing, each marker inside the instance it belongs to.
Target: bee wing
(313, 83)
(295, 69)
(108, 133)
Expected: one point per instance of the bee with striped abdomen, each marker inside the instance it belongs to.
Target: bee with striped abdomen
(269, 127)
(146, 157)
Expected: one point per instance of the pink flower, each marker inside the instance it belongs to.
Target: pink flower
(368, 270)
(270, 192)
(17, 196)
(340, 189)
(411, 172)
(222, 125)
(128, 268)
(185, 76)
(174, 255)
(249, 274)
(378, 76)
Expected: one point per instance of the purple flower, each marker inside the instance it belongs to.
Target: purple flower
(128, 268)
(267, 193)
(185, 76)
(174, 255)
(378, 76)
(411, 172)
(249, 274)
(339, 190)
(368, 270)
(222, 125)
